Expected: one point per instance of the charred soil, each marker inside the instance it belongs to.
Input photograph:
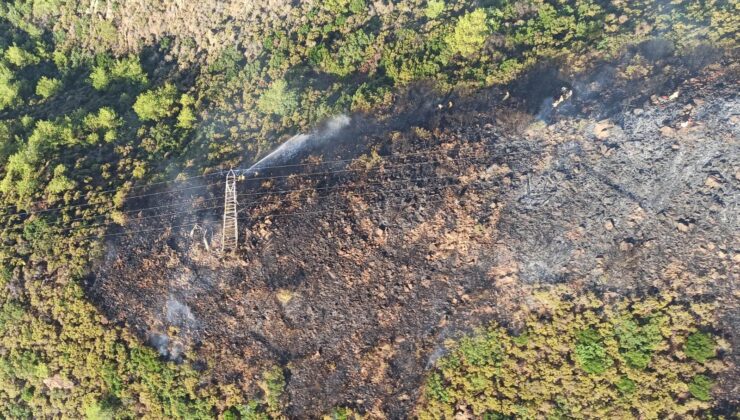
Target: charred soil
(351, 275)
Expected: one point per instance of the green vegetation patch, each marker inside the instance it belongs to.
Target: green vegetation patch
(700, 347)
(638, 342)
(586, 358)
(591, 353)
(700, 387)
(47, 87)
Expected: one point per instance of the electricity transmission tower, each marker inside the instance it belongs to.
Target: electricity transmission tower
(230, 237)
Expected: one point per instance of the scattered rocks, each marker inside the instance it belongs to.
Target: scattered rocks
(713, 182)
(58, 382)
(683, 226)
(602, 129)
(667, 131)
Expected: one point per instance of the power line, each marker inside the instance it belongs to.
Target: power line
(327, 188)
(361, 186)
(132, 187)
(127, 198)
(244, 218)
(76, 228)
(299, 175)
(336, 188)
(328, 162)
(136, 210)
(220, 172)
(195, 210)
(306, 213)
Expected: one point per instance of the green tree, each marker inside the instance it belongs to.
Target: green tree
(186, 117)
(273, 384)
(9, 88)
(637, 342)
(278, 99)
(43, 9)
(7, 142)
(126, 70)
(20, 57)
(701, 387)
(20, 177)
(700, 347)
(59, 182)
(357, 6)
(434, 8)
(22, 173)
(435, 388)
(99, 78)
(157, 104)
(105, 119)
(129, 69)
(626, 385)
(469, 34)
(590, 352)
(47, 87)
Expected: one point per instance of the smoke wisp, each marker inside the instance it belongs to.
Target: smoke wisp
(295, 144)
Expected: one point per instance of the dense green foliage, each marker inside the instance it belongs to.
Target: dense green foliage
(590, 353)
(700, 387)
(85, 118)
(278, 99)
(580, 357)
(47, 87)
(700, 347)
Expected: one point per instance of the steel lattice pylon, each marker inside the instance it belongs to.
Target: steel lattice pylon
(230, 237)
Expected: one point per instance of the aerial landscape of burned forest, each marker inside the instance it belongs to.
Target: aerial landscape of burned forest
(359, 209)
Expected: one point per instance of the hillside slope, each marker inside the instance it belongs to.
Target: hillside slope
(352, 281)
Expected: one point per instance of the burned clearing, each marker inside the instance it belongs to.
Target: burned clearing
(352, 278)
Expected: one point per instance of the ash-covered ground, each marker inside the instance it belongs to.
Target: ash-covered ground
(353, 280)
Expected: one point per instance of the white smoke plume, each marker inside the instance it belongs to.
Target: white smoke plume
(295, 144)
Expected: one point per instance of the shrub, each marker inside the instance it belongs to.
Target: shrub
(545, 380)
(700, 347)
(700, 387)
(590, 353)
(636, 342)
(626, 385)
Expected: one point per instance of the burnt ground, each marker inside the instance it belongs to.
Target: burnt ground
(352, 281)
